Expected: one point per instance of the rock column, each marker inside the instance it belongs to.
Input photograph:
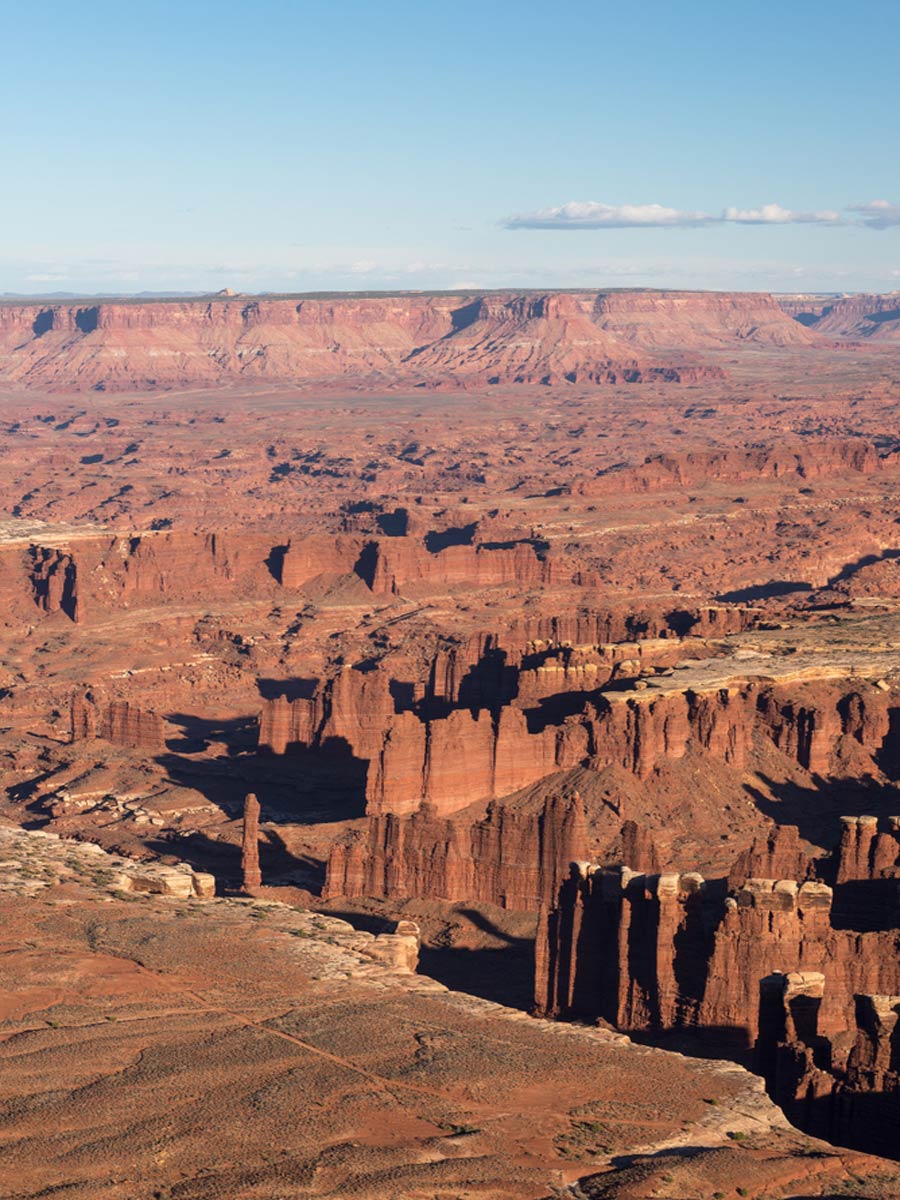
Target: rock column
(250, 845)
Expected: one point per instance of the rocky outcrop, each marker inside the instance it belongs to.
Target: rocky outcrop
(87, 576)
(780, 855)
(250, 872)
(797, 970)
(54, 581)
(662, 952)
(181, 882)
(489, 722)
(866, 852)
(511, 858)
(819, 458)
(844, 1087)
(549, 338)
(861, 317)
(397, 950)
(116, 721)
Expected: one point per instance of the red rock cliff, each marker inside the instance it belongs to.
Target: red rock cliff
(525, 338)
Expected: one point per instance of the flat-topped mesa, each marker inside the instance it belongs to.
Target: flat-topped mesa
(857, 318)
(801, 460)
(116, 721)
(88, 575)
(698, 319)
(451, 340)
(600, 626)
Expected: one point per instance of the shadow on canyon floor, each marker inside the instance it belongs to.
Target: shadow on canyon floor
(311, 787)
(278, 865)
(503, 974)
(816, 810)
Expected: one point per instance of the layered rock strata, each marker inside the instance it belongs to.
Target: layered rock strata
(116, 721)
(558, 718)
(661, 952)
(844, 1087)
(498, 338)
(512, 859)
(857, 318)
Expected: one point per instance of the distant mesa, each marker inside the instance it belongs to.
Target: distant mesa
(458, 340)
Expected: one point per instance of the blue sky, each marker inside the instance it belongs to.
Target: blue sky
(295, 146)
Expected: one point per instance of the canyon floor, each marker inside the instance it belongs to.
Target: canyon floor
(411, 619)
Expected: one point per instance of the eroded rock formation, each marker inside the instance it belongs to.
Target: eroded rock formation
(250, 871)
(860, 317)
(513, 859)
(521, 338)
(799, 460)
(844, 1087)
(506, 730)
(806, 972)
(117, 721)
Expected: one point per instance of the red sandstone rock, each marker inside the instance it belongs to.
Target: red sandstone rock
(512, 859)
(779, 856)
(250, 872)
(555, 338)
(657, 952)
(556, 720)
(859, 317)
(829, 457)
(117, 721)
(844, 1087)
(638, 850)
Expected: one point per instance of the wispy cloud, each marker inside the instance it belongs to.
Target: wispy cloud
(877, 214)
(774, 214)
(592, 214)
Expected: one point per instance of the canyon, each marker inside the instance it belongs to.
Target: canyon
(485, 686)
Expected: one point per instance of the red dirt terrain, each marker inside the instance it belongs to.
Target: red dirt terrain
(464, 590)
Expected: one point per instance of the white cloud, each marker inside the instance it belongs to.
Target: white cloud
(877, 214)
(774, 214)
(591, 214)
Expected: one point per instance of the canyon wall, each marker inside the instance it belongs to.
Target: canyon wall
(660, 952)
(861, 317)
(489, 741)
(798, 459)
(472, 339)
(806, 972)
(117, 721)
(86, 574)
(513, 859)
(845, 1087)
